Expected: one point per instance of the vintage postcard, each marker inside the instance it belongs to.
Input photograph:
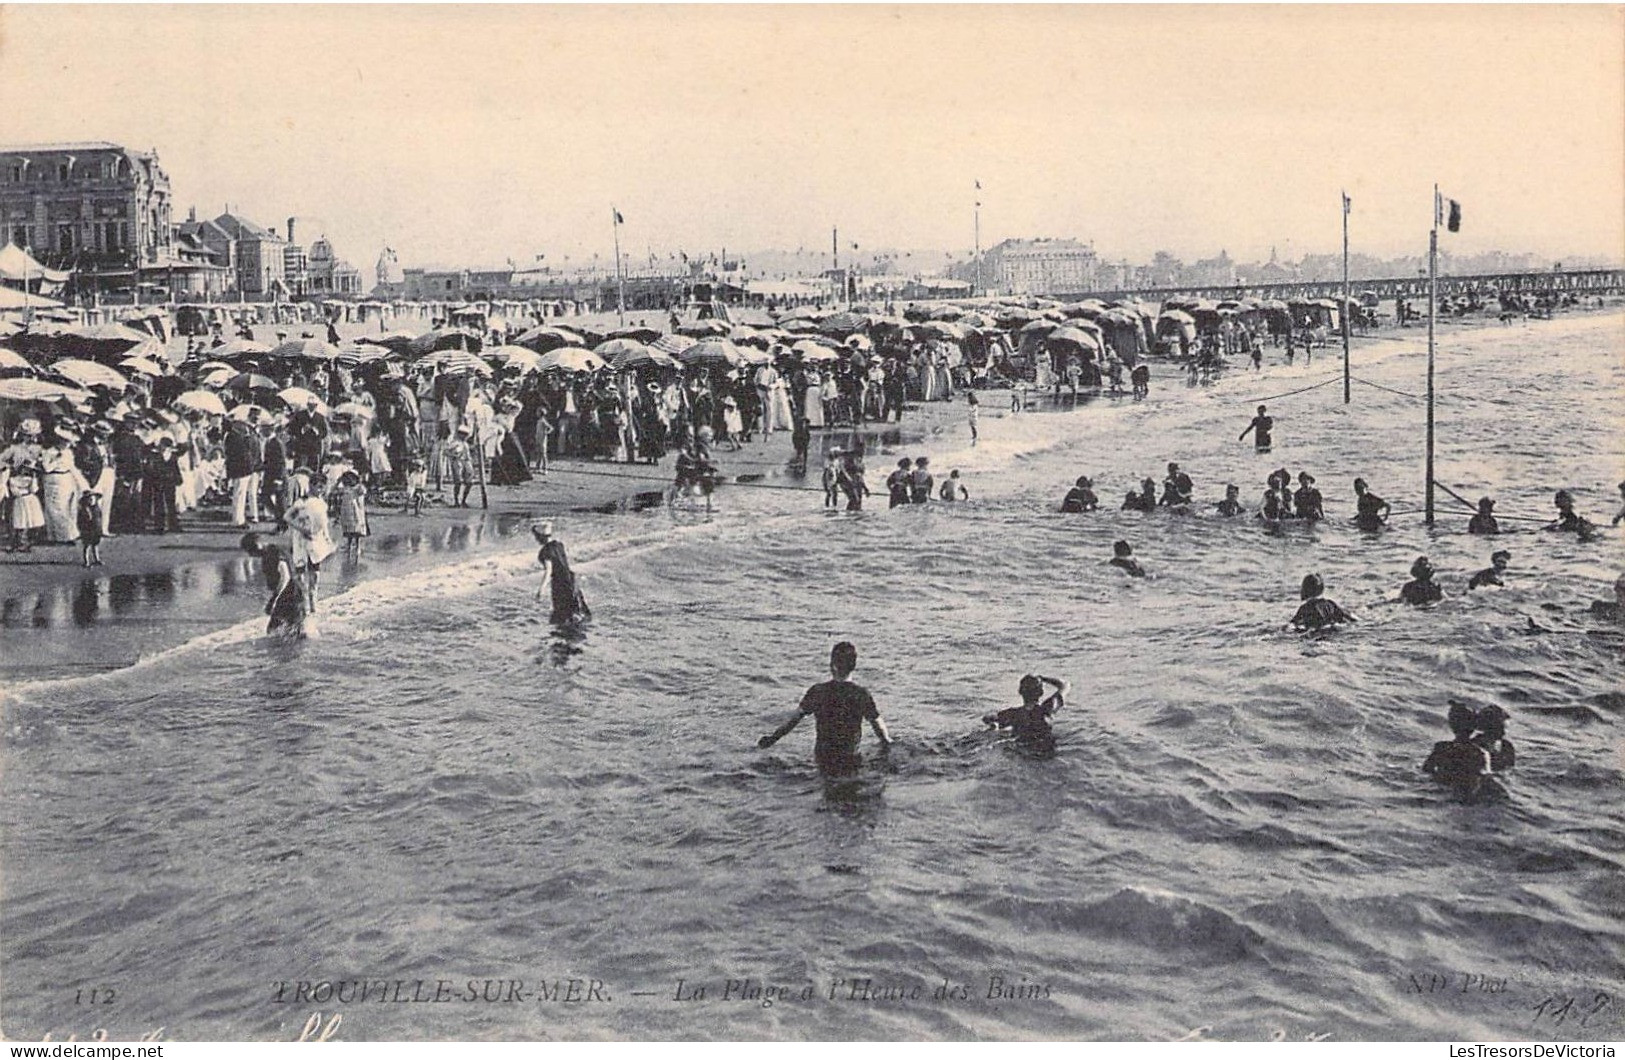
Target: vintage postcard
(911, 523)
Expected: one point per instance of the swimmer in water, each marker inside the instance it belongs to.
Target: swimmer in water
(1371, 511)
(953, 489)
(1307, 500)
(1148, 494)
(1081, 497)
(569, 605)
(1030, 722)
(839, 707)
(1177, 487)
(1483, 521)
(1460, 763)
(1131, 502)
(1260, 429)
(1231, 505)
(921, 482)
(1123, 559)
(1614, 609)
(1491, 738)
(1619, 516)
(1491, 575)
(1568, 520)
(1421, 589)
(1317, 612)
(897, 484)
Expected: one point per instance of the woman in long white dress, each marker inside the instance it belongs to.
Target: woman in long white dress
(814, 399)
(310, 538)
(781, 405)
(60, 494)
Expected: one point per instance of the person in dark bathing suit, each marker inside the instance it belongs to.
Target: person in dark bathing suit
(1307, 500)
(569, 605)
(1491, 575)
(897, 484)
(1231, 505)
(1371, 510)
(1483, 521)
(1421, 589)
(1260, 429)
(286, 606)
(1123, 559)
(1459, 763)
(1491, 738)
(839, 708)
(1029, 723)
(1081, 497)
(1317, 612)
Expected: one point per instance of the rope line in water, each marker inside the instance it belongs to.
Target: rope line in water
(1301, 390)
(670, 479)
(1469, 504)
(1379, 386)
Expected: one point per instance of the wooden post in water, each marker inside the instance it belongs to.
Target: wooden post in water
(1433, 298)
(1345, 313)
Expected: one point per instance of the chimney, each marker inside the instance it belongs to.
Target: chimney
(191, 215)
(290, 230)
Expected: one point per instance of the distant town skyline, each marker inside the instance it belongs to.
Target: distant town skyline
(471, 136)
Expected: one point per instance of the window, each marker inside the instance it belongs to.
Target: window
(64, 237)
(63, 169)
(19, 235)
(16, 172)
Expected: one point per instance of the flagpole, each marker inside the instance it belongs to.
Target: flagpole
(620, 280)
(1345, 313)
(977, 293)
(1433, 292)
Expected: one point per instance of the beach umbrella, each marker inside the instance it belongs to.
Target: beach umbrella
(810, 350)
(704, 329)
(938, 329)
(611, 349)
(843, 324)
(798, 326)
(251, 381)
(246, 410)
(392, 340)
(143, 365)
(12, 359)
(526, 360)
(671, 345)
(754, 354)
(1073, 337)
(356, 409)
(712, 351)
(201, 401)
(89, 373)
(547, 338)
(217, 378)
(455, 362)
(576, 359)
(105, 340)
(306, 350)
(445, 339)
(946, 312)
(637, 333)
(212, 366)
(297, 397)
(1179, 316)
(649, 355)
(238, 348)
(37, 390)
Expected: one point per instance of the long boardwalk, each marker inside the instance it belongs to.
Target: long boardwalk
(1580, 281)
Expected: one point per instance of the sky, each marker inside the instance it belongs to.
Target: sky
(476, 134)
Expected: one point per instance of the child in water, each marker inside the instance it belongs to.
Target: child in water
(1123, 559)
(1491, 575)
(832, 467)
(1030, 721)
(417, 481)
(952, 488)
(1317, 612)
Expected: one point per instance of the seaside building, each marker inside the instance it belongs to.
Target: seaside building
(1035, 266)
(101, 212)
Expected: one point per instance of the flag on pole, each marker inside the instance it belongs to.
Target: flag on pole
(1346, 203)
(619, 219)
(1446, 212)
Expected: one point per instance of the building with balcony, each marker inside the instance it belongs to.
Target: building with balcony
(1035, 266)
(95, 209)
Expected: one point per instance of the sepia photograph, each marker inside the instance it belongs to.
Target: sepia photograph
(912, 523)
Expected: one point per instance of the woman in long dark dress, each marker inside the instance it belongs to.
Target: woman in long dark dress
(286, 607)
(569, 605)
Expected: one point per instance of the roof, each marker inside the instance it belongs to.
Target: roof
(88, 145)
(242, 227)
